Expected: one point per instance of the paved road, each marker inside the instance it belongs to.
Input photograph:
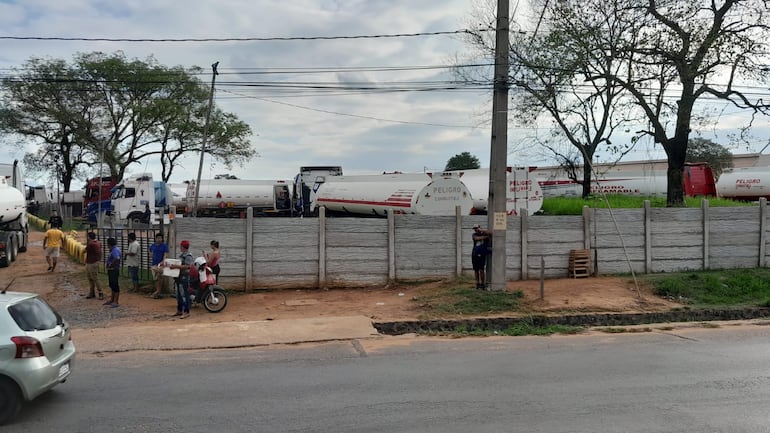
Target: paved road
(689, 380)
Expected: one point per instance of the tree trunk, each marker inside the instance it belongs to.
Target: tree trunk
(587, 172)
(676, 150)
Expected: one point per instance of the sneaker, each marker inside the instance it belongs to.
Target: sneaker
(178, 313)
(184, 315)
(49, 269)
(101, 296)
(107, 303)
(90, 296)
(113, 305)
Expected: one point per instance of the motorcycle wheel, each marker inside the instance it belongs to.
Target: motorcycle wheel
(215, 299)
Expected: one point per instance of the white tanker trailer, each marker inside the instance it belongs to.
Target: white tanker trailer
(749, 183)
(374, 195)
(14, 225)
(13, 205)
(231, 197)
(522, 189)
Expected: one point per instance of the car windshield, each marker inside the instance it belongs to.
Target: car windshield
(34, 315)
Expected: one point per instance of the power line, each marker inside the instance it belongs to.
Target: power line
(358, 116)
(247, 39)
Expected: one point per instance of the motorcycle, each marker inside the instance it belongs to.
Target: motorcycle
(204, 290)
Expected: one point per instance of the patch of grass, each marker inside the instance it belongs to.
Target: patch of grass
(517, 330)
(723, 288)
(574, 205)
(459, 297)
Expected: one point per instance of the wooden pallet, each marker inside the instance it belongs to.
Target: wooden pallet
(579, 263)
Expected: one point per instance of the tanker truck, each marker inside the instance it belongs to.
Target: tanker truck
(226, 198)
(522, 190)
(375, 195)
(745, 184)
(14, 226)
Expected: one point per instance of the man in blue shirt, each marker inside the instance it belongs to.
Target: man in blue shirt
(113, 272)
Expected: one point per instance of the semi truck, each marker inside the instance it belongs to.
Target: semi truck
(97, 197)
(14, 222)
(134, 195)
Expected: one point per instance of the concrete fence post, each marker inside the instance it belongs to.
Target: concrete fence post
(322, 247)
(249, 271)
(391, 246)
(706, 227)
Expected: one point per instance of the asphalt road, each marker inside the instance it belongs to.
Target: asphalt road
(693, 380)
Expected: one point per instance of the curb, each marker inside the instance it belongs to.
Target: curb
(587, 320)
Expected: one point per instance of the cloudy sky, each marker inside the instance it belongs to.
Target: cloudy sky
(363, 131)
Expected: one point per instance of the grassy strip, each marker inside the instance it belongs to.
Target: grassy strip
(723, 288)
(574, 205)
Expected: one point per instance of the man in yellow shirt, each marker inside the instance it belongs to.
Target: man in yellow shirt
(53, 241)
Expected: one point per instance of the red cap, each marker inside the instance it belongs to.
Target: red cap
(184, 244)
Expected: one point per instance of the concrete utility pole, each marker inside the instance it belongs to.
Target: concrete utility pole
(205, 139)
(497, 218)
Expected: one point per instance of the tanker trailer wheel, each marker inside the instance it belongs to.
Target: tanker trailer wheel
(135, 218)
(24, 240)
(13, 250)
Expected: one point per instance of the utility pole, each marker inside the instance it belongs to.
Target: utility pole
(497, 216)
(205, 139)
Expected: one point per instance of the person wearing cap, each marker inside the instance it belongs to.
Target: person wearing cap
(479, 254)
(182, 282)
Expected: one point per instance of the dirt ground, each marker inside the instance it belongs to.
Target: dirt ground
(66, 287)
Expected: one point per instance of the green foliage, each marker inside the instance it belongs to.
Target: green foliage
(716, 155)
(107, 107)
(518, 330)
(462, 161)
(724, 288)
(459, 298)
(574, 206)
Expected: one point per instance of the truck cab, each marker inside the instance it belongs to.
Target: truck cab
(134, 195)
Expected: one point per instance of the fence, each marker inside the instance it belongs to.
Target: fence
(332, 252)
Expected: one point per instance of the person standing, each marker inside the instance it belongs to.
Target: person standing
(158, 250)
(113, 272)
(93, 255)
(132, 259)
(182, 282)
(212, 259)
(479, 255)
(55, 221)
(52, 243)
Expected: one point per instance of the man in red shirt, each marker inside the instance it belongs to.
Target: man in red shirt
(93, 255)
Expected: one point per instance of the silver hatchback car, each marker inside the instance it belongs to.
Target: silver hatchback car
(36, 350)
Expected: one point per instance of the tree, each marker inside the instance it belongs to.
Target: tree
(549, 73)
(118, 111)
(462, 161)
(675, 52)
(716, 155)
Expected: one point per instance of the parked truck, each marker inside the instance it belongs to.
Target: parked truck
(14, 224)
(134, 195)
(97, 197)
(304, 183)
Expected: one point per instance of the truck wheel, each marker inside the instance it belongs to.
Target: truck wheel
(12, 250)
(10, 400)
(23, 246)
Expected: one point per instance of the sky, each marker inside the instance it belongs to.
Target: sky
(364, 132)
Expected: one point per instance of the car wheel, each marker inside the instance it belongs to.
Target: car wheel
(10, 400)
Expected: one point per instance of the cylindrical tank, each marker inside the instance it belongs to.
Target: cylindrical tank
(523, 191)
(12, 202)
(423, 194)
(627, 183)
(749, 183)
(238, 193)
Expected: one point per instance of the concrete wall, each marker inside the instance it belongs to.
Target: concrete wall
(351, 252)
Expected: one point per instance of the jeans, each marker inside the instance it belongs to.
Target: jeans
(183, 294)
